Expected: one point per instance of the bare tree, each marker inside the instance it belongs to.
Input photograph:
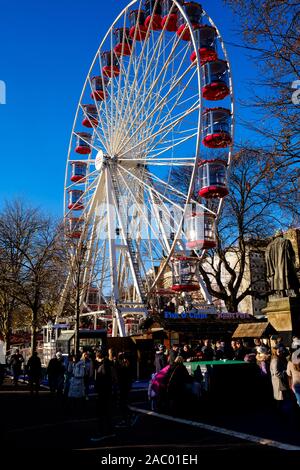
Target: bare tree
(78, 286)
(271, 37)
(80, 261)
(33, 274)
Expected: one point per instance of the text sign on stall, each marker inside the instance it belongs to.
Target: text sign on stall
(231, 315)
(180, 316)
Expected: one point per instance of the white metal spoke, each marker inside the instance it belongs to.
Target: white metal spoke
(158, 193)
(170, 188)
(99, 111)
(152, 113)
(153, 161)
(157, 107)
(161, 151)
(168, 85)
(141, 212)
(153, 55)
(160, 131)
(167, 118)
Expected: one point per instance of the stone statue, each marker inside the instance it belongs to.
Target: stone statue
(281, 271)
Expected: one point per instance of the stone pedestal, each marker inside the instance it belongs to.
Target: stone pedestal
(284, 315)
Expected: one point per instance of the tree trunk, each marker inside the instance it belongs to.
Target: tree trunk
(7, 329)
(34, 330)
(77, 320)
(8, 336)
(231, 305)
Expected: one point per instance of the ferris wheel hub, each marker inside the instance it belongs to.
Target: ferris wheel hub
(100, 160)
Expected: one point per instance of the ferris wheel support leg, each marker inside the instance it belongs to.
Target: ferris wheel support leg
(203, 288)
(112, 197)
(118, 322)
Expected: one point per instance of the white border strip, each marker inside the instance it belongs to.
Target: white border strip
(228, 432)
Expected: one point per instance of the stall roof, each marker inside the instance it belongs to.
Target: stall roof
(66, 335)
(253, 330)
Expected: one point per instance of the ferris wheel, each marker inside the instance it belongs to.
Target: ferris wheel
(147, 165)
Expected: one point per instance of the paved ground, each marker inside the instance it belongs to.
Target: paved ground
(45, 423)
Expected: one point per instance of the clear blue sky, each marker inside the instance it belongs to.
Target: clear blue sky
(46, 50)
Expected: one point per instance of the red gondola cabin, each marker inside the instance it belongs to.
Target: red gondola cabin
(83, 143)
(205, 37)
(75, 227)
(194, 13)
(138, 30)
(184, 274)
(75, 199)
(153, 9)
(110, 64)
(98, 88)
(91, 115)
(78, 172)
(200, 231)
(170, 15)
(216, 128)
(123, 41)
(212, 178)
(216, 81)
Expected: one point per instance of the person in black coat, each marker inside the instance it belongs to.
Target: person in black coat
(15, 363)
(160, 360)
(173, 354)
(176, 388)
(103, 385)
(34, 369)
(124, 383)
(240, 352)
(56, 374)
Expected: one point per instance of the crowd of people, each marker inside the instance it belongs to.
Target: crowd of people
(108, 375)
(278, 368)
(171, 387)
(74, 378)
